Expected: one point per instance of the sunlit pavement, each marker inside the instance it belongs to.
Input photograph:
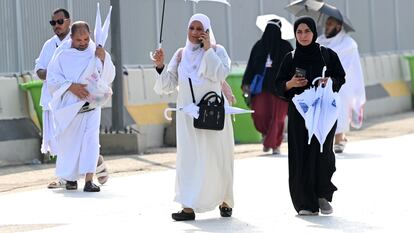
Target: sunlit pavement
(374, 178)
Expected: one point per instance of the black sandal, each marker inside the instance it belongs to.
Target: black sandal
(225, 211)
(183, 216)
(91, 187)
(71, 185)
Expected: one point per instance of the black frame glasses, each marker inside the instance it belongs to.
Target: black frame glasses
(59, 21)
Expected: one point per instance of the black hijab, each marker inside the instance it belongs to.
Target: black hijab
(306, 53)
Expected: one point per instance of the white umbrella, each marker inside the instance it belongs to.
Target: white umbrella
(101, 32)
(328, 112)
(307, 105)
(222, 1)
(235, 110)
(286, 29)
(192, 110)
(319, 108)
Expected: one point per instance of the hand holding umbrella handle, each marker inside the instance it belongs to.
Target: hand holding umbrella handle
(152, 54)
(158, 58)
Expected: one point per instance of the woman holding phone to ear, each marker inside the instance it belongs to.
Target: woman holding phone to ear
(204, 170)
(310, 171)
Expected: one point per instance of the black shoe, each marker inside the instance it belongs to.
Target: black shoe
(71, 185)
(91, 187)
(225, 211)
(183, 216)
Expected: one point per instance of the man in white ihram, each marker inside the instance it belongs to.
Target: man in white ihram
(60, 23)
(76, 117)
(352, 93)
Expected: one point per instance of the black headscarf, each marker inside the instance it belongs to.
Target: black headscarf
(308, 52)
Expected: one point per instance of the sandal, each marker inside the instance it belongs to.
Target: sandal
(225, 211)
(101, 171)
(340, 147)
(71, 185)
(56, 184)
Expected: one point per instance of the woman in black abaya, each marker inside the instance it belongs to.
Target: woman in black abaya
(269, 109)
(310, 171)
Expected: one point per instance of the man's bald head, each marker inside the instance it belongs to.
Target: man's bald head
(79, 27)
(80, 35)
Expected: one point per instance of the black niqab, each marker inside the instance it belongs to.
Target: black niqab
(272, 44)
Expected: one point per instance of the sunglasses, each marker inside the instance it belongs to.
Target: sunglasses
(59, 21)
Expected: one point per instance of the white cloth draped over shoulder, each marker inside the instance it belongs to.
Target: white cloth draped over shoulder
(42, 62)
(76, 134)
(352, 93)
(69, 66)
(204, 157)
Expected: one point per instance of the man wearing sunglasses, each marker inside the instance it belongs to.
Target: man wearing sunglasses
(60, 23)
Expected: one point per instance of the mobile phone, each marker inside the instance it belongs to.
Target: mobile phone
(300, 73)
(201, 44)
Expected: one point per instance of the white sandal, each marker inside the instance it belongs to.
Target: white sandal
(101, 171)
(57, 184)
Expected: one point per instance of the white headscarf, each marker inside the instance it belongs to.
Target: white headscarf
(193, 53)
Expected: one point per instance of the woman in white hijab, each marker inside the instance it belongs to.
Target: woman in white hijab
(204, 157)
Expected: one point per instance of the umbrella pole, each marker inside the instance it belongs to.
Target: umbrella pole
(162, 24)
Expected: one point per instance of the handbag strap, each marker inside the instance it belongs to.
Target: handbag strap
(192, 92)
(191, 88)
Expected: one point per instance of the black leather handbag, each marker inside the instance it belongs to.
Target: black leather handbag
(211, 111)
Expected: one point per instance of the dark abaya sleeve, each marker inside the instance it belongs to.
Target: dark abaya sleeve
(250, 70)
(283, 75)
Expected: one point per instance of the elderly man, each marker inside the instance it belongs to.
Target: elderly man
(76, 117)
(60, 23)
(352, 93)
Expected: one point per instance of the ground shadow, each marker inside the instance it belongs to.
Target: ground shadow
(357, 156)
(337, 223)
(220, 225)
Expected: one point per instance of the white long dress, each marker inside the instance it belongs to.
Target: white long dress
(204, 157)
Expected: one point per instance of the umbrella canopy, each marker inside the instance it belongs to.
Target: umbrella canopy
(101, 32)
(286, 29)
(307, 105)
(328, 112)
(222, 1)
(319, 11)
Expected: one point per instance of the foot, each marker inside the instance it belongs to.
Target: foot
(339, 148)
(91, 187)
(183, 216)
(307, 213)
(57, 184)
(276, 151)
(325, 207)
(340, 142)
(71, 185)
(101, 171)
(266, 149)
(225, 211)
